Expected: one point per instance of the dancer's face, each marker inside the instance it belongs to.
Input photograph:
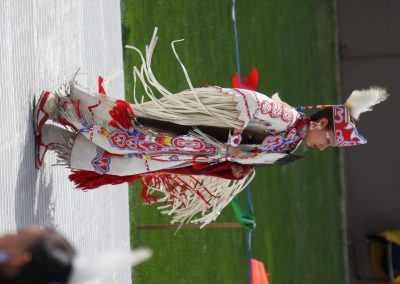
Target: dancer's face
(318, 136)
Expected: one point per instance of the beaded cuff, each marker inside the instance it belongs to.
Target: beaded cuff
(234, 139)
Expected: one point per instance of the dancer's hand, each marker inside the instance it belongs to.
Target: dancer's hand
(234, 152)
(237, 171)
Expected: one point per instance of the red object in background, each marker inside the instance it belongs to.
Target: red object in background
(258, 273)
(250, 82)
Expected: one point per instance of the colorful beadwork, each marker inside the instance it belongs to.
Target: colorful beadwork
(101, 163)
(285, 141)
(346, 133)
(276, 110)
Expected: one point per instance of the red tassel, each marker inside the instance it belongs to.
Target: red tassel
(100, 85)
(90, 180)
(122, 114)
(86, 180)
(174, 186)
(145, 193)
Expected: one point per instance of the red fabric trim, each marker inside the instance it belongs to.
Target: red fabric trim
(90, 108)
(145, 193)
(258, 101)
(175, 186)
(75, 104)
(89, 180)
(65, 122)
(245, 103)
(233, 100)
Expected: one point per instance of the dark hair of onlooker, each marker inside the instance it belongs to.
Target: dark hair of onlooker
(51, 263)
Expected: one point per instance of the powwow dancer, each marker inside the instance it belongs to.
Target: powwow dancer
(194, 150)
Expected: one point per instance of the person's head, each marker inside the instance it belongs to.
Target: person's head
(320, 132)
(35, 255)
(335, 125)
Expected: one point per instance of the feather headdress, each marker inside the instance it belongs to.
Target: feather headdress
(364, 100)
(344, 115)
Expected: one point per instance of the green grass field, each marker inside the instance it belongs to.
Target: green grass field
(299, 223)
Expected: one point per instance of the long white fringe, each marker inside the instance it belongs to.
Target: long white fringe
(208, 106)
(196, 106)
(63, 151)
(194, 209)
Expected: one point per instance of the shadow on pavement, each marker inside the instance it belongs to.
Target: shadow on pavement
(34, 188)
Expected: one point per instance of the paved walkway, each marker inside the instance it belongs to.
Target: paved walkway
(42, 42)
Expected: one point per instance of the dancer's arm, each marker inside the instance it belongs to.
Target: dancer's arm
(273, 113)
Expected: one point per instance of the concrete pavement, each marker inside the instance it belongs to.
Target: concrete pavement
(42, 42)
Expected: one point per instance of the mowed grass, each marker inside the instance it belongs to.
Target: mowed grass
(299, 224)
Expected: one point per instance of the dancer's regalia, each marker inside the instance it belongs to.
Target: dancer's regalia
(175, 144)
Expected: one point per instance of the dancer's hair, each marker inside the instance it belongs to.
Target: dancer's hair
(324, 113)
(52, 259)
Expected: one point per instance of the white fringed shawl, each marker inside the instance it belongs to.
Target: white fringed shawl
(196, 106)
(216, 194)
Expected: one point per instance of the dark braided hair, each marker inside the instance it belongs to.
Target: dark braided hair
(51, 263)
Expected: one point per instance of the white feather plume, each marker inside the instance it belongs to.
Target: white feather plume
(112, 261)
(364, 100)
